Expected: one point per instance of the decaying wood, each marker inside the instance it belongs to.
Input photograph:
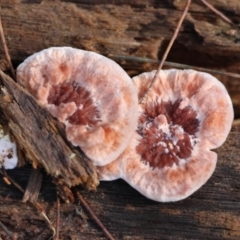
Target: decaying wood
(42, 139)
(210, 213)
(34, 185)
(140, 28)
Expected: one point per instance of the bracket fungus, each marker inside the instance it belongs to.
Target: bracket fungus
(8, 151)
(186, 115)
(91, 94)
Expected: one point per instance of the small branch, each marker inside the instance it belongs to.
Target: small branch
(168, 49)
(4, 174)
(94, 217)
(42, 212)
(6, 49)
(176, 65)
(9, 233)
(221, 15)
(236, 122)
(57, 219)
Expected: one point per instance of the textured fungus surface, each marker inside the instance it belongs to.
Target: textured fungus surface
(86, 113)
(91, 94)
(186, 114)
(168, 133)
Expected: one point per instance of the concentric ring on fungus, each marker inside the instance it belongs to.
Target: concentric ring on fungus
(186, 114)
(91, 94)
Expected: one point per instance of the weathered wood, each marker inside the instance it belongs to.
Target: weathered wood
(132, 28)
(210, 213)
(34, 185)
(42, 138)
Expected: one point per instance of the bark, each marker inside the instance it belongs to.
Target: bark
(134, 29)
(42, 139)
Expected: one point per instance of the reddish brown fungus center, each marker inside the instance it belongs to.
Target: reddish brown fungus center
(86, 114)
(168, 133)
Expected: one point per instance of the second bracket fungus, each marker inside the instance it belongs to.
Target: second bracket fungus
(91, 94)
(186, 114)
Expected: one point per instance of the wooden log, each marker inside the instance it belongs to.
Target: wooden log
(131, 28)
(139, 28)
(210, 213)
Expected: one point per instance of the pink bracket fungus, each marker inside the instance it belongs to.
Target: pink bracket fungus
(186, 114)
(91, 94)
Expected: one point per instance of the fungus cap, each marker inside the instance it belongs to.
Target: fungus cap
(91, 94)
(186, 114)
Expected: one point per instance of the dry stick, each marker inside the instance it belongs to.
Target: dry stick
(9, 233)
(4, 174)
(57, 219)
(95, 218)
(167, 50)
(6, 49)
(236, 122)
(212, 8)
(35, 204)
(177, 65)
(180, 65)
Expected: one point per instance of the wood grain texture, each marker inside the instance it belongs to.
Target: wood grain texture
(210, 213)
(34, 185)
(139, 28)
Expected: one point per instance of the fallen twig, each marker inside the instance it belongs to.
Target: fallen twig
(57, 219)
(6, 49)
(236, 122)
(4, 174)
(185, 11)
(94, 217)
(221, 15)
(9, 233)
(177, 65)
(212, 8)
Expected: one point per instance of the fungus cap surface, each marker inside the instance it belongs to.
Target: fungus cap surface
(91, 94)
(186, 114)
